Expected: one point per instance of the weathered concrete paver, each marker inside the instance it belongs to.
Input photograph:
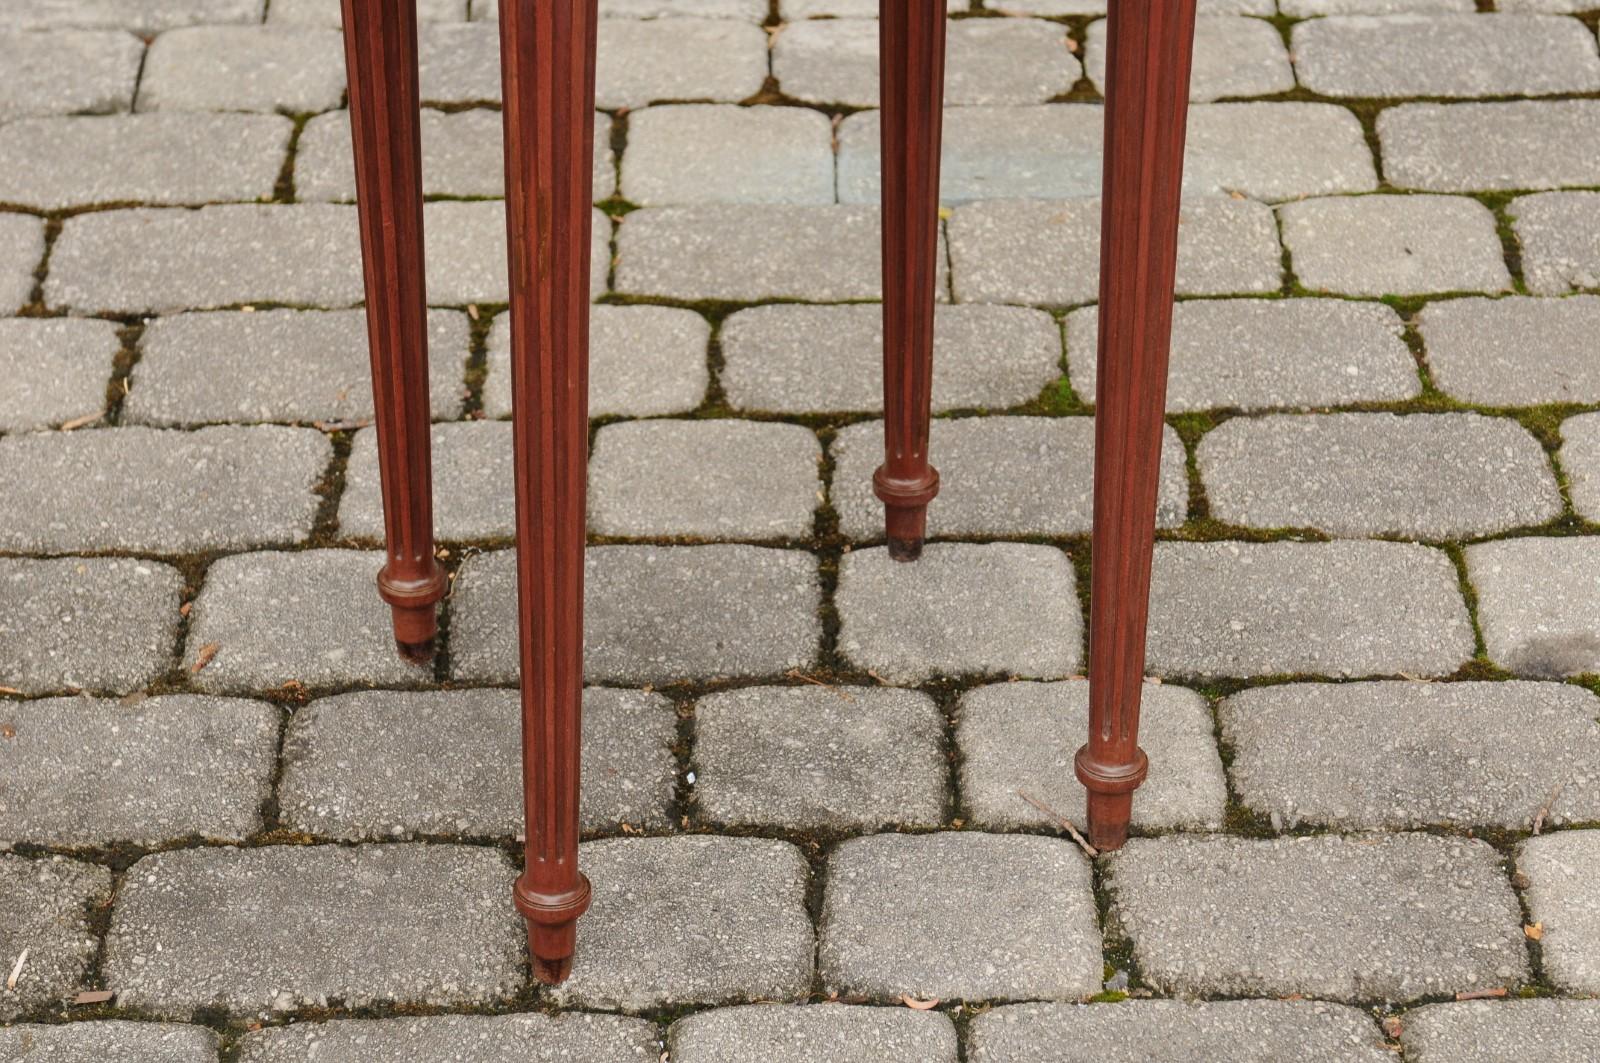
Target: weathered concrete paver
(1560, 237)
(1537, 603)
(1513, 351)
(825, 1033)
(1564, 896)
(393, 764)
(1464, 147)
(466, 252)
(312, 617)
(1481, 1031)
(1580, 460)
(1312, 8)
(1256, 609)
(1424, 476)
(21, 249)
(55, 369)
(962, 609)
(327, 12)
(1397, 755)
(109, 1039)
(690, 920)
(1232, 57)
(717, 153)
(376, 924)
(655, 614)
(790, 358)
(1229, 1031)
(82, 771)
(959, 915)
(644, 61)
(1394, 245)
(809, 758)
(140, 16)
(519, 1038)
(44, 907)
(1262, 353)
(243, 68)
(1275, 151)
(473, 485)
(1354, 919)
(999, 476)
(67, 71)
(1023, 737)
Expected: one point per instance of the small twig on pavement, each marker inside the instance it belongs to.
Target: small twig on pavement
(795, 673)
(1481, 994)
(16, 969)
(1083, 843)
(1549, 803)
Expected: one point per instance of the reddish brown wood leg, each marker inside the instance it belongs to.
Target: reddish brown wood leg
(547, 62)
(911, 47)
(1147, 91)
(381, 57)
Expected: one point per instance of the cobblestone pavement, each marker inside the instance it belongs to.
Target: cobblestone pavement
(1373, 721)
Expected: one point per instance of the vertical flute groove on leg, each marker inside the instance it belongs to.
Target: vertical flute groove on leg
(381, 60)
(547, 63)
(1149, 45)
(911, 49)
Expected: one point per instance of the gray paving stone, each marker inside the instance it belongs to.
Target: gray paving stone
(1564, 896)
(140, 16)
(1513, 351)
(749, 252)
(459, 64)
(656, 60)
(655, 614)
(1537, 604)
(959, 915)
(155, 159)
(789, 358)
(466, 252)
(793, 10)
(371, 765)
(461, 156)
(1356, 919)
(1098, 7)
(353, 927)
(473, 485)
(1264, 353)
(1228, 1031)
(1232, 57)
(327, 12)
(1481, 1031)
(21, 250)
(962, 609)
(521, 1038)
(708, 479)
(56, 370)
(111, 1039)
(299, 366)
(86, 623)
(1276, 151)
(644, 361)
(749, 10)
(1312, 8)
(1048, 251)
(164, 492)
(690, 920)
(156, 261)
(718, 153)
(292, 69)
(988, 62)
(1023, 736)
(1396, 755)
(999, 476)
(44, 908)
(1560, 237)
(1394, 245)
(809, 758)
(1580, 460)
(67, 71)
(312, 617)
(1339, 609)
(837, 1033)
(1445, 55)
(95, 772)
(1423, 476)
(1465, 147)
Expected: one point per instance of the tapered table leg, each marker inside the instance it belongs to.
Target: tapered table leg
(547, 60)
(1147, 89)
(381, 56)
(911, 50)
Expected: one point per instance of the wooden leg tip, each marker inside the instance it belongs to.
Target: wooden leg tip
(552, 972)
(1108, 820)
(417, 652)
(905, 549)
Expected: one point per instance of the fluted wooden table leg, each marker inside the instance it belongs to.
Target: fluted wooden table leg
(1147, 90)
(911, 49)
(547, 59)
(381, 57)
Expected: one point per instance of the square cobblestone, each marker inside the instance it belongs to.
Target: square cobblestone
(1400, 755)
(961, 609)
(67, 71)
(823, 1033)
(521, 1038)
(290, 69)
(1394, 245)
(671, 59)
(808, 758)
(21, 251)
(113, 1039)
(140, 16)
(959, 916)
(1232, 57)
(999, 476)
(458, 64)
(371, 764)
(1359, 919)
(56, 370)
(312, 617)
(1560, 237)
(1275, 151)
(1564, 896)
(1481, 1031)
(655, 614)
(716, 153)
(1465, 147)
(1261, 609)
(392, 925)
(44, 909)
(473, 485)
(1513, 351)
(1262, 353)
(1537, 603)
(690, 920)
(1312, 8)
(1020, 738)
(328, 13)
(1580, 460)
